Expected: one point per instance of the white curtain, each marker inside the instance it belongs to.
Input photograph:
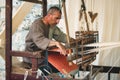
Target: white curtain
(108, 25)
(110, 33)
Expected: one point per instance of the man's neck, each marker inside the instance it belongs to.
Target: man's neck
(45, 20)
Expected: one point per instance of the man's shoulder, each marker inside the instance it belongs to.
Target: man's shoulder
(37, 23)
(38, 20)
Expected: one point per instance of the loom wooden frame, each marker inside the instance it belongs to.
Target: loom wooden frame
(9, 53)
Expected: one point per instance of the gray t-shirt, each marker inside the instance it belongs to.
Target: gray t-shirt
(40, 35)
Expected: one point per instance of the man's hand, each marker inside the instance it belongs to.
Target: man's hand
(59, 45)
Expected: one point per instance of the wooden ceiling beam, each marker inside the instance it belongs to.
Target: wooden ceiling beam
(34, 1)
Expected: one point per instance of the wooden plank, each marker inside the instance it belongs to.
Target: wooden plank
(33, 1)
(60, 62)
(21, 13)
(21, 77)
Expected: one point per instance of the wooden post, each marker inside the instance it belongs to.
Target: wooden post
(66, 22)
(8, 20)
(44, 7)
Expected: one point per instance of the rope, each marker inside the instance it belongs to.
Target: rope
(25, 75)
(40, 73)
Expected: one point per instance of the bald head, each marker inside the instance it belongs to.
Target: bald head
(53, 16)
(54, 9)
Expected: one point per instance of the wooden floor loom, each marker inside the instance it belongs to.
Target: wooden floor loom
(78, 57)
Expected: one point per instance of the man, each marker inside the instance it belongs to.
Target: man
(42, 31)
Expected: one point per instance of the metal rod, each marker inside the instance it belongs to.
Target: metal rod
(97, 71)
(108, 76)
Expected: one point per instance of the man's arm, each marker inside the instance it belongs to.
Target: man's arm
(42, 42)
(59, 45)
(59, 35)
(38, 37)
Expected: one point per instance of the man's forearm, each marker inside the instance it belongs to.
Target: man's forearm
(59, 45)
(52, 43)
